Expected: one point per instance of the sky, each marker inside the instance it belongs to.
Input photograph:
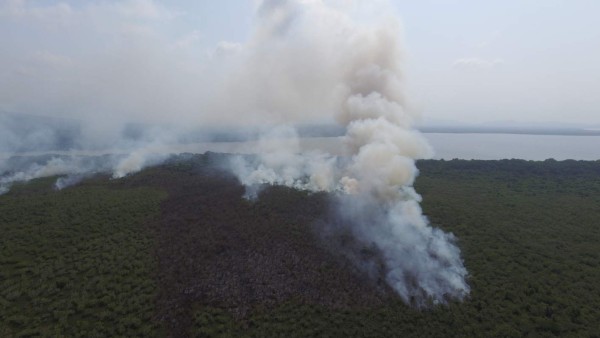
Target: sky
(528, 61)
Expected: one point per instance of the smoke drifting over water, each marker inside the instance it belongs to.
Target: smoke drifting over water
(306, 61)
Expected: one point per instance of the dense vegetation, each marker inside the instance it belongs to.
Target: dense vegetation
(109, 258)
(76, 262)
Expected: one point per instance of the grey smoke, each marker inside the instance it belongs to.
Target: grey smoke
(307, 61)
(280, 161)
(69, 180)
(71, 169)
(49, 147)
(359, 67)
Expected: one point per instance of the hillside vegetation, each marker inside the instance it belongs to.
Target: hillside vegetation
(175, 250)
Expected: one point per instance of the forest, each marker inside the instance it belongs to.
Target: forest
(177, 251)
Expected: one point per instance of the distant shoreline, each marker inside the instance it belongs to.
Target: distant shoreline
(510, 131)
(448, 143)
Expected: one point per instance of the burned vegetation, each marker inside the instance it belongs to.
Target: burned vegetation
(176, 250)
(217, 249)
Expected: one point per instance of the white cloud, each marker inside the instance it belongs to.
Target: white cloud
(475, 63)
(52, 59)
(490, 39)
(188, 40)
(19, 9)
(145, 9)
(225, 48)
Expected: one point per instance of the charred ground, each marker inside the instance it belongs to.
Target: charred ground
(176, 250)
(217, 249)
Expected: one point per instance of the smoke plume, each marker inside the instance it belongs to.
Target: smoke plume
(354, 71)
(140, 97)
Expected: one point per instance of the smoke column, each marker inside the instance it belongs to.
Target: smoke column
(306, 61)
(354, 71)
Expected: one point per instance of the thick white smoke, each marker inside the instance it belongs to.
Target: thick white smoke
(35, 146)
(354, 71)
(72, 169)
(280, 161)
(307, 61)
(35, 160)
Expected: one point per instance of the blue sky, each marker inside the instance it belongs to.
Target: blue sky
(466, 60)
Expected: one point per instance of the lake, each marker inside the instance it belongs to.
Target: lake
(462, 146)
(507, 146)
(446, 145)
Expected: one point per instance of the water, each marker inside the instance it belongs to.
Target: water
(447, 146)
(463, 146)
(507, 146)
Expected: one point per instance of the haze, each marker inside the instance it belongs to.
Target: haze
(149, 61)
